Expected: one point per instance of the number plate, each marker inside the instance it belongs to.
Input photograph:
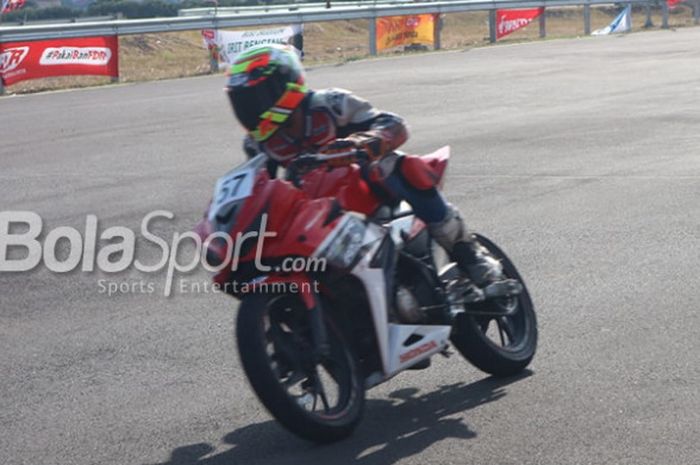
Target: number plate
(236, 185)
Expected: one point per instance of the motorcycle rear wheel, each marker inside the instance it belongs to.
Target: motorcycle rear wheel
(275, 348)
(511, 349)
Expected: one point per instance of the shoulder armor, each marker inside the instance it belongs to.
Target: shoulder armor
(345, 107)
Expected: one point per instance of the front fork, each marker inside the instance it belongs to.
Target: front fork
(312, 301)
(319, 335)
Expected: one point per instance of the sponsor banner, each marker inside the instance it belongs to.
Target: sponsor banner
(394, 31)
(20, 61)
(226, 45)
(11, 5)
(622, 23)
(508, 21)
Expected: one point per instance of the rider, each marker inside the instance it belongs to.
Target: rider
(284, 119)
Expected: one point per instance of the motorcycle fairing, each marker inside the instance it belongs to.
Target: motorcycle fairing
(409, 344)
(307, 221)
(400, 345)
(346, 184)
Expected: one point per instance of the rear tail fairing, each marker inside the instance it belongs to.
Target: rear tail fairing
(437, 161)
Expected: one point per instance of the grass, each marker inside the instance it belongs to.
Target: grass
(179, 54)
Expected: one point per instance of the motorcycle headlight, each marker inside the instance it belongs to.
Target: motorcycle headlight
(344, 246)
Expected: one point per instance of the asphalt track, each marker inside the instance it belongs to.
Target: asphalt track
(580, 157)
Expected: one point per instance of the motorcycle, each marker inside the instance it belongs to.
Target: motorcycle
(312, 341)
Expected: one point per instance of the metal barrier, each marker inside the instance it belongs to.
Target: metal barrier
(218, 18)
(294, 6)
(257, 18)
(80, 19)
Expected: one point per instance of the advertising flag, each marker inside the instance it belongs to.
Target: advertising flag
(622, 23)
(508, 21)
(394, 31)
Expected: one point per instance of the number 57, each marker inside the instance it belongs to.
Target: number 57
(227, 190)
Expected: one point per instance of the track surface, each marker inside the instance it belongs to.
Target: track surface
(580, 157)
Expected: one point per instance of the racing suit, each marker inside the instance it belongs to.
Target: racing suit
(335, 120)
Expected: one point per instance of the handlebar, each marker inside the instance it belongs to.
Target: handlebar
(302, 164)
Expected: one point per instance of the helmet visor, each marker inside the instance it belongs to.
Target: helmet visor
(250, 102)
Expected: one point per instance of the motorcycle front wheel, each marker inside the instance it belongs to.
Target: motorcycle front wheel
(320, 399)
(499, 345)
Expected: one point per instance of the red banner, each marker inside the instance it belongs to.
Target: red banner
(673, 3)
(97, 56)
(508, 21)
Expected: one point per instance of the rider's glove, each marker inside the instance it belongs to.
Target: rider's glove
(340, 152)
(368, 142)
(359, 147)
(338, 146)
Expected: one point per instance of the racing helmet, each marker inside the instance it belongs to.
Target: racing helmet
(265, 86)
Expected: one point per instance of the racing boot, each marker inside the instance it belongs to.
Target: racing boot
(471, 257)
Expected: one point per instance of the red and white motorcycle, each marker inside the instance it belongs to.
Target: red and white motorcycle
(312, 345)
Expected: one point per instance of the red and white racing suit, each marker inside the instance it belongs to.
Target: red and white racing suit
(335, 120)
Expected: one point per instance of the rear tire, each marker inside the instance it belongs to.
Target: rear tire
(518, 333)
(264, 372)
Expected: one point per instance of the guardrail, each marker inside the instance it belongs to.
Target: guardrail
(307, 13)
(288, 6)
(211, 10)
(184, 23)
(79, 19)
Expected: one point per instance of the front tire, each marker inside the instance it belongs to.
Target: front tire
(517, 333)
(274, 344)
